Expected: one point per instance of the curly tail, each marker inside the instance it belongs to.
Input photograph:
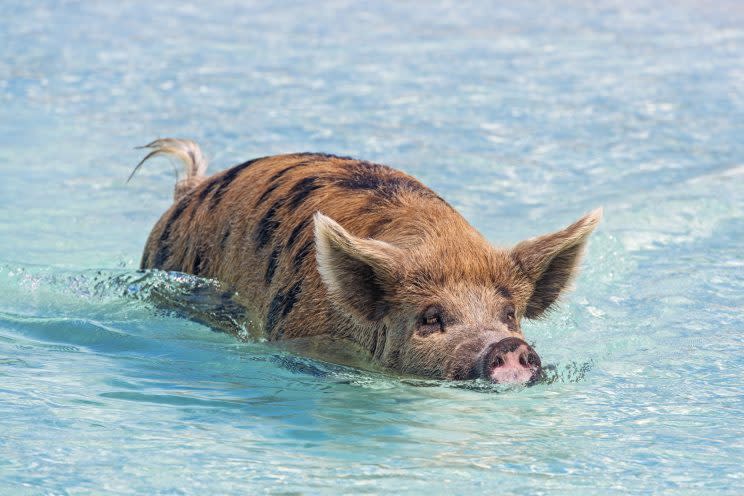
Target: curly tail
(190, 156)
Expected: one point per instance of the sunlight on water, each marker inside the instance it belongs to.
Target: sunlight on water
(523, 116)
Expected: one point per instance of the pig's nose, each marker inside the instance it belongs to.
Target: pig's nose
(510, 360)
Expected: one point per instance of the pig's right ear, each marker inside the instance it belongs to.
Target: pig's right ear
(551, 261)
(358, 273)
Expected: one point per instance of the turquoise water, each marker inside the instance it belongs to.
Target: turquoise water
(522, 116)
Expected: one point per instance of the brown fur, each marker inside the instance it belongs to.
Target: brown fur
(271, 228)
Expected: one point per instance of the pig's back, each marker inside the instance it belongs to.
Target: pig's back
(251, 227)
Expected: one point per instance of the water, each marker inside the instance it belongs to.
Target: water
(522, 116)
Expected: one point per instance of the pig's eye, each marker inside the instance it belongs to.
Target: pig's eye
(510, 315)
(430, 322)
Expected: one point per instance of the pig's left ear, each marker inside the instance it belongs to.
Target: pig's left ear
(551, 261)
(357, 272)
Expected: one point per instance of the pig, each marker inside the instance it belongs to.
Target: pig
(315, 244)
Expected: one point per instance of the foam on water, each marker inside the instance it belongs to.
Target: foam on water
(523, 116)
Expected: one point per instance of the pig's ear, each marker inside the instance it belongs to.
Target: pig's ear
(358, 273)
(551, 261)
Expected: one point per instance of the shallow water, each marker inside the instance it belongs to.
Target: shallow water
(523, 117)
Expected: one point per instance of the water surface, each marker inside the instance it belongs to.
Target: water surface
(523, 117)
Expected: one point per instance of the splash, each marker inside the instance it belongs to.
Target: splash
(210, 303)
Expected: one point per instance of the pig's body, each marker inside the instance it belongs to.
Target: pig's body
(404, 270)
(252, 227)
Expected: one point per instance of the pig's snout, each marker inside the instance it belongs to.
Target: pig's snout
(510, 360)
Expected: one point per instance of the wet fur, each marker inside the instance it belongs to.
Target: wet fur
(251, 227)
(292, 234)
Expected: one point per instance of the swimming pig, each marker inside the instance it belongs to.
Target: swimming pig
(317, 244)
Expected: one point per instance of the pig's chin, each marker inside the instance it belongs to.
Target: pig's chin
(515, 376)
(507, 376)
(511, 375)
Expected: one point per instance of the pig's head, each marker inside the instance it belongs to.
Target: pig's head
(448, 306)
